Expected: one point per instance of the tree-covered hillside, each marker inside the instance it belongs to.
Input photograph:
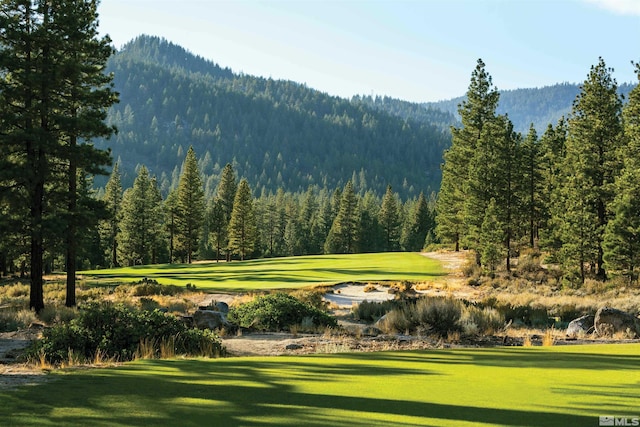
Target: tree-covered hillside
(276, 133)
(540, 106)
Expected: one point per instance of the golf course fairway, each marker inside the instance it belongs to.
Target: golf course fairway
(282, 273)
(514, 386)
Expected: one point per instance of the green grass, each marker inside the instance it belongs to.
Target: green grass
(281, 273)
(536, 386)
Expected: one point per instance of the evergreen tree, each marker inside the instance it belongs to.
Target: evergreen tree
(593, 155)
(226, 193)
(344, 230)
(491, 247)
(242, 226)
(417, 225)
(552, 146)
(217, 226)
(171, 210)
(494, 174)
(621, 243)
(111, 227)
(532, 184)
(141, 215)
(54, 96)
(478, 109)
(389, 220)
(191, 206)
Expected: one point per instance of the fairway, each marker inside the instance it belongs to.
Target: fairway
(535, 386)
(281, 273)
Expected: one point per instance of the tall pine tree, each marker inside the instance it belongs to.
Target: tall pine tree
(191, 206)
(593, 150)
(476, 111)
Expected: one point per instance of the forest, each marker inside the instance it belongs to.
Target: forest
(277, 134)
(572, 192)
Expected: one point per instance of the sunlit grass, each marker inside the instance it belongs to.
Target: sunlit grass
(280, 273)
(550, 386)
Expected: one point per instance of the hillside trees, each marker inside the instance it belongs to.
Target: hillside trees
(51, 62)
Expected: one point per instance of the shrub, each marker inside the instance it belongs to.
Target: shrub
(439, 315)
(276, 312)
(443, 317)
(370, 311)
(116, 331)
(14, 319)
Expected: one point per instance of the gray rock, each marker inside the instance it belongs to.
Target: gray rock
(580, 326)
(222, 307)
(609, 321)
(209, 319)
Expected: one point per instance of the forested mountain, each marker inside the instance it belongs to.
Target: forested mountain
(277, 134)
(540, 106)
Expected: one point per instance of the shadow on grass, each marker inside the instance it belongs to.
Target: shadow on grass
(247, 392)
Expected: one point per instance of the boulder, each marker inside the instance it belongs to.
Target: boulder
(209, 319)
(222, 307)
(609, 321)
(580, 326)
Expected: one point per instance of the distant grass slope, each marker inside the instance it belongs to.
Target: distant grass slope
(279, 273)
(542, 386)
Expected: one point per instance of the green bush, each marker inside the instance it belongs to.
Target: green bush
(276, 312)
(115, 331)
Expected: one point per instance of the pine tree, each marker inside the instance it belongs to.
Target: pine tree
(390, 221)
(621, 243)
(418, 224)
(478, 109)
(593, 155)
(492, 240)
(532, 184)
(344, 230)
(494, 173)
(55, 98)
(111, 227)
(242, 226)
(191, 206)
(552, 146)
(226, 193)
(141, 216)
(171, 210)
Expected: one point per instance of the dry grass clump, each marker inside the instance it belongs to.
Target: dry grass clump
(370, 288)
(442, 316)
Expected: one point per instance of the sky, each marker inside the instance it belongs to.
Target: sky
(415, 50)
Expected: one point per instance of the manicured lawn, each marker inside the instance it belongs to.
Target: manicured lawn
(280, 273)
(543, 386)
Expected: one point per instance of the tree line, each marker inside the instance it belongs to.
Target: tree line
(145, 228)
(573, 191)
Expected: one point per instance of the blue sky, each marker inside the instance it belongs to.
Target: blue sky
(417, 50)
